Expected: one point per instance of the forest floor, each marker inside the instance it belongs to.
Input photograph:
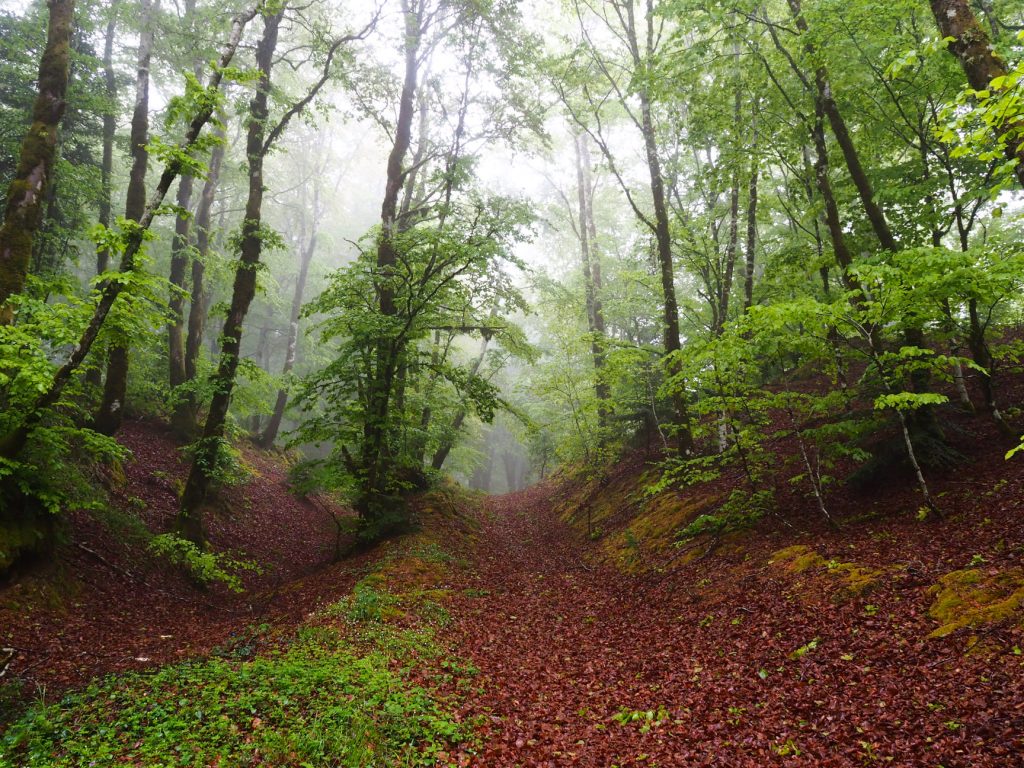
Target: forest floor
(739, 660)
(503, 634)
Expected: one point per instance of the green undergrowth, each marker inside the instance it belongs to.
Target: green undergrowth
(342, 691)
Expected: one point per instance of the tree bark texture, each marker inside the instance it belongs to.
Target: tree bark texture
(23, 214)
(981, 64)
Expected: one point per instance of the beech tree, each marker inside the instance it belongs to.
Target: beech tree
(23, 212)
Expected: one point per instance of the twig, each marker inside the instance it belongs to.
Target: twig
(105, 562)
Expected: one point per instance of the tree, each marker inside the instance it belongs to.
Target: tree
(306, 254)
(981, 65)
(25, 195)
(260, 138)
(115, 385)
(625, 81)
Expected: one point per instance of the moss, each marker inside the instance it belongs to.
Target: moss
(651, 534)
(849, 579)
(972, 598)
(857, 580)
(797, 559)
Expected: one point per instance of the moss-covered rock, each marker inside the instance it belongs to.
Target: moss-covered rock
(973, 598)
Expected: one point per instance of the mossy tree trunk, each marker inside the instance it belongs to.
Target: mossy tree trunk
(981, 64)
(26, 194)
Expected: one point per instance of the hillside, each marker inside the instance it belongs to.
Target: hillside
(107, 604)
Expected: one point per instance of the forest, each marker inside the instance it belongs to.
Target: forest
(509, 383)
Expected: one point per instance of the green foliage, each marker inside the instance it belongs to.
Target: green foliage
(54, 471)
(369, 602)
(445, 280)
(314, 702)
(982, 124)
(741, 510)
(203, 565)
(228, 467)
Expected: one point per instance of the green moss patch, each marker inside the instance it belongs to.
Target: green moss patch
(848, 580)
(973, 598)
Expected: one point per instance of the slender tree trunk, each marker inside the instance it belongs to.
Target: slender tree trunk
(115, 387)
(176, 299)
(842, 133)
(388, 351)
(25, 195)
(983, 357)
(94, 375)
(180, 253)
(751, 245)
(731, 253)
(109, 131)
(591, 268)
(186, 410)
(12, 443)
(270, 434)
(190, 518)
(663, 237)
(446, 446)
(979, 61)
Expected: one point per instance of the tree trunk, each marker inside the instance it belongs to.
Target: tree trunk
(748, 273)
(185, 412)
(109, 131)
(180, 255)
(176, 299)
(983, 357)
(388, 352)
(731, 252)
(663, 237)
(445, 448)
(25, 195)
(591, 275)
(108, 418)
(270, 434)
(94, 375)
(839, 129)
(190, 518)
(980, 62)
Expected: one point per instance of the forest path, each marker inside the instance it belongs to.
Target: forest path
(742, 668)
(563, 647)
